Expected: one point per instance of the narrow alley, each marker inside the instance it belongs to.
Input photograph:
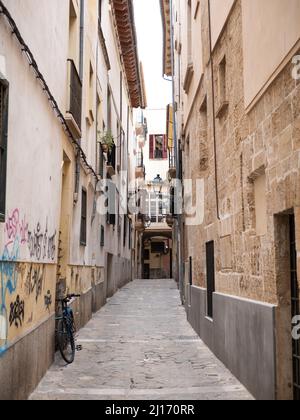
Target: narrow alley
(150, 140)
(131, 346)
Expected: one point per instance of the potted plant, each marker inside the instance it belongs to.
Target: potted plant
(107, 141)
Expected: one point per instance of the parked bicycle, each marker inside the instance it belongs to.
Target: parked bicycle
(66, 330)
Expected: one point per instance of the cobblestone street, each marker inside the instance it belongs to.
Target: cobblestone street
(140, 346)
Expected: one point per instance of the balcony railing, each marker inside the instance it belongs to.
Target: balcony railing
(111, 161)
(75, 93)
(140, 160)
(140, 171)
(172, 159)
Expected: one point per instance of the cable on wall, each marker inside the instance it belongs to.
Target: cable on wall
(33, 64)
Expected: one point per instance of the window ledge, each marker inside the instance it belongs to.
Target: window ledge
(209, 319)
(188, 77)
(71, 123)
(222, 109)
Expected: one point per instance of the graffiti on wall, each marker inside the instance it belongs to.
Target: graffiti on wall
(8, 285)
(17, 312)
(21, 240)
(41, 245)
(48, 301)
(16, 228)
(34, 281)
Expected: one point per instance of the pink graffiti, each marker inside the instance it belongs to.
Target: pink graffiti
(23, 226)
(15, 227)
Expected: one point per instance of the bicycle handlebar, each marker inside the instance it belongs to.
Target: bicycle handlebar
(68, 298)
(73, 296)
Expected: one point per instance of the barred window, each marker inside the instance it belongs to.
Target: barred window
(3, 145)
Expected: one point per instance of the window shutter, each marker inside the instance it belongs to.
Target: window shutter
(111, 216)
(102, 236)
(83, 228)
(165, 148)
(151, 154)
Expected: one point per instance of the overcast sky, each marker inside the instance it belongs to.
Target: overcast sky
(150, 44)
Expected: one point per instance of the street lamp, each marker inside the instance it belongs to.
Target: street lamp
(157, 184)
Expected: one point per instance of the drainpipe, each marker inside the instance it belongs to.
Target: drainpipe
(176, 151)
(81, 61)
(214, 112)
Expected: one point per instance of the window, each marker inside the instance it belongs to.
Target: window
(146, 254)
(158, 147)
(91, 94)
(130, 235)
(102, 236)
(100, 130)
(210, 273)
(74, 31)
(222, 80)
(157, 247)
(112, 210)
(222, 88)
(125, 231)
(3, 145)
(83, 235)
(261, 205)
(156, 207)
(109, 102)
(203, 136)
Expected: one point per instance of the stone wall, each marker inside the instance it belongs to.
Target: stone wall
(257, 145)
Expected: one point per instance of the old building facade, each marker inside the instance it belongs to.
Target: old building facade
(68, 88)
(237, 97)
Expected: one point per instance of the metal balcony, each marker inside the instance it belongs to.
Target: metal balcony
(111, 162)
(172, 163)
(140, 167)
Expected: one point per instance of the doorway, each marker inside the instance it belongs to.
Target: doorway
(295, 306)
(288, 349)
(64, 229)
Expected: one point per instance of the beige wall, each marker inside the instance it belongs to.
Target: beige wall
(219, 10)
(265, 50)
(196, 58)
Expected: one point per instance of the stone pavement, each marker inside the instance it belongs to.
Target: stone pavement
(140, 346)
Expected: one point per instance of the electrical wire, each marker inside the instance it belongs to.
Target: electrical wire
(33, 64)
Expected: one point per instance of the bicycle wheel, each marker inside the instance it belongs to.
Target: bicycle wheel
(65, 341)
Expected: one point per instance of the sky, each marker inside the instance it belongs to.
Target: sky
(150, 46)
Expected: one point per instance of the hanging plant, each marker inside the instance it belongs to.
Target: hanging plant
(107, 141)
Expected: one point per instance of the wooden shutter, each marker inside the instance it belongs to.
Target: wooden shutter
(83, 235)
(102, 236)
(151, 145)
(112, 192)
(165, 148)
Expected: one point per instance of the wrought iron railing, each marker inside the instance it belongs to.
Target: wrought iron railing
(111, 157)
(140, 160)
(75, 93)
(172, 158)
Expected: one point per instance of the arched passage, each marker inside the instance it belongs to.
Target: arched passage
(157, 255)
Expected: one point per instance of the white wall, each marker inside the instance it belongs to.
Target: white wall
(34, 133)
(156, 120)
